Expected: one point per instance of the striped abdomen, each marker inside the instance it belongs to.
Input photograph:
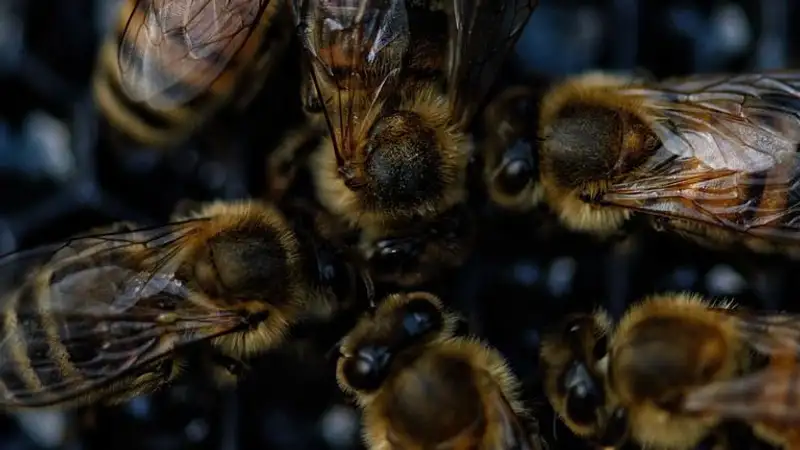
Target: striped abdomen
(71, 336)
(241, 78)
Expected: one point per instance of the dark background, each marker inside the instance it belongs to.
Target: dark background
(59, 176)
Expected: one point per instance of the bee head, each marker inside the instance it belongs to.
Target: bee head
(400, 322)
(584, 392)
(511, 158)
(583, 144)
(433, 247)
(403, 166)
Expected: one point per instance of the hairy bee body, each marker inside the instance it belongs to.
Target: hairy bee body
(397, 85)
(240, 78)
(420, 387)
(108, 315)
(711, 158)
(677, 370)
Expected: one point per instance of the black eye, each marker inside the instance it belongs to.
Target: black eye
(616, 431)
(583, 396)
(367, 369)
(394, 255)
(515, 176)
(421, 317)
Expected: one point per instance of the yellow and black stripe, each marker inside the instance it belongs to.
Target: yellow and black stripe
(242, 77)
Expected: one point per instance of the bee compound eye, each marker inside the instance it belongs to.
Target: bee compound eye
(583, 397)
(367, 369)
(421, 317)
(515, 176)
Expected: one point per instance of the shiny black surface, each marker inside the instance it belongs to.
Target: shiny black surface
(60, 175)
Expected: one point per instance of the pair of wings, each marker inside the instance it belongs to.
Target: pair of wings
(171, 50)
(726, 143)
(770, 395)
(95, 309)
(361, 45)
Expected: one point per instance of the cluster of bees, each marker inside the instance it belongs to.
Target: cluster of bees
(369, 200)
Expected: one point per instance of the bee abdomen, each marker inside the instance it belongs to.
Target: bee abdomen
(170, 126)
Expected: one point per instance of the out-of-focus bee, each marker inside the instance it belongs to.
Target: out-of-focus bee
(171, 64)
(510, 159)
(712, 158)
(678, 367)
(106, 316)
(418, 386)
(574, 379)
(398, 85)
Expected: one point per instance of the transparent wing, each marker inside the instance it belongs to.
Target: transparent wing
(112, 243)
(356, 50)
(482, 32)
(770, 395)
(171, 50)
(99, 308)
(728, 155)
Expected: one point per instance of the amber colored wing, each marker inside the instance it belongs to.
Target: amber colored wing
(770, 395)
(171, 50)
(98, 308)
(356, 50)
(728, 155)
(482, 32)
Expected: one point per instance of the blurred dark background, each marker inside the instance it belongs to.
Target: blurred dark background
(60, 175)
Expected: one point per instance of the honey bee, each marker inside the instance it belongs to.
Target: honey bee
(678, 367)
(107, 316)
(170, 65)
(510, 160)
(398, 85)
(419, 387)
(574, 381)
(709, 157)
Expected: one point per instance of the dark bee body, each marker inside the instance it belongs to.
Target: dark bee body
(677, 371)
(712, 158)
(187, 88)
(508, 149)
(107, 316)
(420, 387)
(397, 86)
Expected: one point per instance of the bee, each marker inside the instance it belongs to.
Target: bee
(107, 316)
(170, 65)
(510, 159)
(678, 367)
(419, 386)
(574, 378)
(709, 157)
(398, 85)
